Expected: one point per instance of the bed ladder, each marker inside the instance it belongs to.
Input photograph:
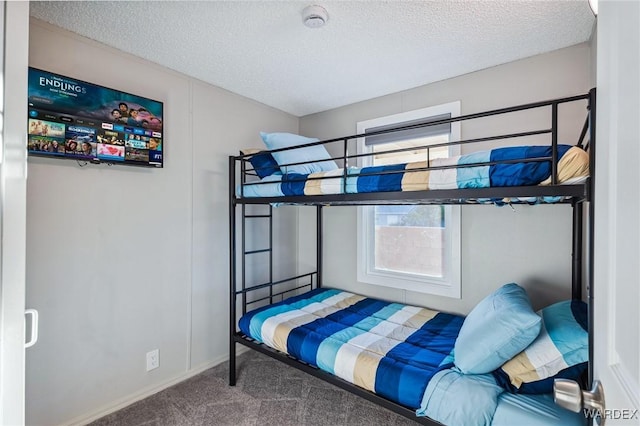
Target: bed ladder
(254, 216)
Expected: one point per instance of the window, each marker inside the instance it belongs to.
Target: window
(410, 247)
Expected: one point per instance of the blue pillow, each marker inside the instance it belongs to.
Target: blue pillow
(262, 162)
(499, 327)
(316, 153)
(561, 350)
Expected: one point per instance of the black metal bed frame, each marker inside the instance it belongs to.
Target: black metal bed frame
(575, 194)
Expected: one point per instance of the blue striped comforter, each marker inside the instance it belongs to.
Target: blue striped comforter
(388, 348)
(468, 172)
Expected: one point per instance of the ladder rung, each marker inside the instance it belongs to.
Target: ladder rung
(256, 251)
(257, 215)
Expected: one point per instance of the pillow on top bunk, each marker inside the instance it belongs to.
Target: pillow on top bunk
(322, 161)
(561, 350)
(263, 162)
(499, 327)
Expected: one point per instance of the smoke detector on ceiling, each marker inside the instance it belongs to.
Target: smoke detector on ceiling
(314, 16)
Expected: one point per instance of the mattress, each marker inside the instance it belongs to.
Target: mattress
(498, 167)
(388, 348)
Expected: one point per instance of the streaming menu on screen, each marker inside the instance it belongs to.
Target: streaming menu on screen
(70, 118)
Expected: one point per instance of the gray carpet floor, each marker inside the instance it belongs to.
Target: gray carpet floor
(268, 392)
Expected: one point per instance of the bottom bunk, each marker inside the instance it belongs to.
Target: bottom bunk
(496, 366)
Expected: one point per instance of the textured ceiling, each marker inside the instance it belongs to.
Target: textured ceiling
(261, 50)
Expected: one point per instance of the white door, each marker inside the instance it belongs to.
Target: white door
(14, 25)
(617, 211)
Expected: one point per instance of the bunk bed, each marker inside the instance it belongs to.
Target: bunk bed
(542, 177)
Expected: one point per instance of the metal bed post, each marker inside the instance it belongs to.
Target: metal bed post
(591, 224)
(271, 253)
(577, 251)
(232, 272)
(243, 262)
(554, 143)
(345, 163)
(319, 246)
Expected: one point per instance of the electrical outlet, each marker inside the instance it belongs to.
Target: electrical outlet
(153, 359)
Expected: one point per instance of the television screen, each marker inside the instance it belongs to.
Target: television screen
(70, 118)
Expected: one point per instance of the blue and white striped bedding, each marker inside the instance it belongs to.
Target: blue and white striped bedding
(573, 165)
(388, 348)
(561, 350)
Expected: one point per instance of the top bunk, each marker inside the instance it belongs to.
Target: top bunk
(525, 166)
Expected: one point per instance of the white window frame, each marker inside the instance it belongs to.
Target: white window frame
(450, 284)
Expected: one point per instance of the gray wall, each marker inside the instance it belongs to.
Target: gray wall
(123, 260)
(531, 246)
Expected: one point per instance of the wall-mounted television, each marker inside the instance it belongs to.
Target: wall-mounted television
(73, 119)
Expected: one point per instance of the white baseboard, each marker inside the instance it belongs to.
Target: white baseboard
(121, 403)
